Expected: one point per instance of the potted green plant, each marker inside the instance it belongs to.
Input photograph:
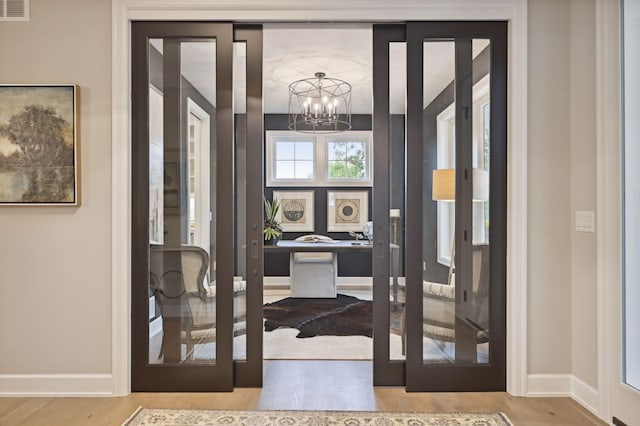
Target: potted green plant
(272, 228)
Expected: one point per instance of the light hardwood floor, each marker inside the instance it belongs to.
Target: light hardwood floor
(299, 385)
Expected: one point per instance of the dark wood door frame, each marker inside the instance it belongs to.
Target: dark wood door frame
(462, 376)
(180, 377)
(226, 373)
(248, 373)
(385, 371)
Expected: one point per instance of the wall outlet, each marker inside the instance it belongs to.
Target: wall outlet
(585, 221)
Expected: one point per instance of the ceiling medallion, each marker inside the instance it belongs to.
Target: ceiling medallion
(320, 104)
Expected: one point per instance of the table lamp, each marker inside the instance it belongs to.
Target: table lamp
(444, 189)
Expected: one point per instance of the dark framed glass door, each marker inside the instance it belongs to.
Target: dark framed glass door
(389, 113)
(249, 165)
(439, 254)
(456, 206)
(182, 241)
(440, 195)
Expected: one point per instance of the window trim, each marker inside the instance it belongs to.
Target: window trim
(272, 139)
(355, 136)
(445, 216)
(321, 164)
(445, 122)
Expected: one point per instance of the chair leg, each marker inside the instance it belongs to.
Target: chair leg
(403, 331)
(189, 354)
(161, 353)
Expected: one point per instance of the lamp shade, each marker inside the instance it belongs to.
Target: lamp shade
(394, 213)
(444, 185)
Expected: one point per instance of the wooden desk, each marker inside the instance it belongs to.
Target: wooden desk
(339, 246)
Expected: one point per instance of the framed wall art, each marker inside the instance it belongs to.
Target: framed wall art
(39, 145)
(296, 212)
(347, 210)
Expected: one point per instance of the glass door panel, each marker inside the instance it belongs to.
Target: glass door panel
(438, 206)
(456, 139)
(631, 133)
(182, 171)
(397, 114)
(625, 365)
(448, 308)
(477, 303)
(240, 205)
(182, 256)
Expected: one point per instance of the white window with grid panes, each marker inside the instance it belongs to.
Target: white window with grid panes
(298, 159)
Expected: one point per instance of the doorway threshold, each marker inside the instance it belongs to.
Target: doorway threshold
(318, 385)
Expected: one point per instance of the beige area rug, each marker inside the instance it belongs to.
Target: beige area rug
(283, 344)
(162, 417)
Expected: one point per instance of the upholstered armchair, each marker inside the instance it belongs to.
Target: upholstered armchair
(439, 303)
(239, 304)
(178, 280)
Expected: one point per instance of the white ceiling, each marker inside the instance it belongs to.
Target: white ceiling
(439, 70)
(198, 65)
(439, 65)
(296, 51)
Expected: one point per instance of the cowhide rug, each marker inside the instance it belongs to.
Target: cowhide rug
(342, 316)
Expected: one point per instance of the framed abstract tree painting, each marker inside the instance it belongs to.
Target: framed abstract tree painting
(39, 145)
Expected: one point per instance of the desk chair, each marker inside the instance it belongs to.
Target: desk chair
(313, 274)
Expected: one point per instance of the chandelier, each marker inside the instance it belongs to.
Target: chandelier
(320, 104)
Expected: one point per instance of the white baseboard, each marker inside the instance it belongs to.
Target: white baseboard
(33, 385)
(539, 385)
(276, 282)
(343, 282)
(585, 395)
(563, 385)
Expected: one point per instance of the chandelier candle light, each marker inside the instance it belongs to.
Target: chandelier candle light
(320, 104)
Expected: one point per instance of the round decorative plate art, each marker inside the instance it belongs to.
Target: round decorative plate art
(293, 210)
(347, 211)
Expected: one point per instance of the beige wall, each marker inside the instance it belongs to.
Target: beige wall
(55, 280)
(549, 233)
(562, 179)
(583, 188)
(55, 312)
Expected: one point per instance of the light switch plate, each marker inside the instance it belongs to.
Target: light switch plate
(585, 221)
